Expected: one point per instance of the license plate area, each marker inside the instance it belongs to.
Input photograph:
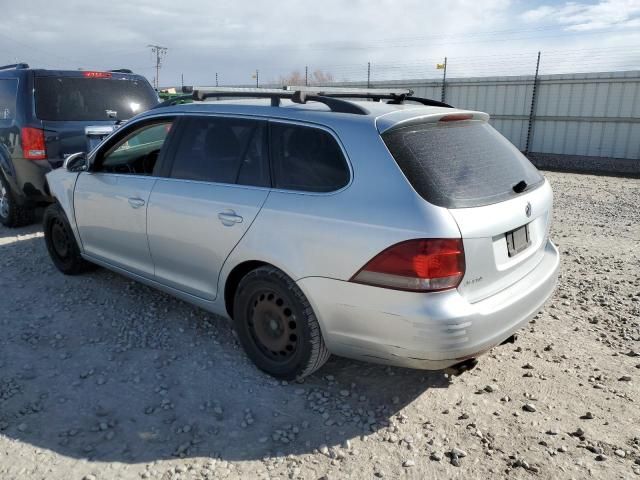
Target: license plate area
(518, 240)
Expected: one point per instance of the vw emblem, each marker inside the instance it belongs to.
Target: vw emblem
(527, 209)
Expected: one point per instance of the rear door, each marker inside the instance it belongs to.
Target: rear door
(218, 181)
(67, 103)
(501, 203)
(111, 200)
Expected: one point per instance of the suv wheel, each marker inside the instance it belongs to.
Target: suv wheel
(11, 213)
(276, 325)
(61, 243)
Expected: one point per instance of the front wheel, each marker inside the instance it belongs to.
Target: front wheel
(277, 326)
(61, 243)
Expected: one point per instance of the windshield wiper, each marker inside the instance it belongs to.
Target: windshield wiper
(520, 187)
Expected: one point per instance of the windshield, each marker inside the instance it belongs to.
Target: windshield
(77, 98)
(460, 164)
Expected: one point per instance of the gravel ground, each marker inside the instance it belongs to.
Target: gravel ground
(103, 378)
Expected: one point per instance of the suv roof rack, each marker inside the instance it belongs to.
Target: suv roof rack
(17, 66)
(330, 96)
(395, 96)
(202, 93)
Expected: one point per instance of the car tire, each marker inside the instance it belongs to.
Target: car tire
(61, 242)
(277, 326)
(12, 214)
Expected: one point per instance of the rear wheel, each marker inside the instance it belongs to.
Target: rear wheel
(12, 214)
(277, 326)
(61, 243)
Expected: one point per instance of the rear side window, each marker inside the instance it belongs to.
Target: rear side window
(460, 164)
(8, 93)
(223, 150)
(85, 99)
(307, 159)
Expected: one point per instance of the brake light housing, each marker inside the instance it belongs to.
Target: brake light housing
(33, 143)
(89, 74)
(456, 117)
(420, 265)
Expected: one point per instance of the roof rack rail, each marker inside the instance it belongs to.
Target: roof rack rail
(395, 96)
(202, 93)
(121, 70)
(17, 66)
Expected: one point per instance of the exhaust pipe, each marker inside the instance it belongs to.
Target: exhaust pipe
(459, 368)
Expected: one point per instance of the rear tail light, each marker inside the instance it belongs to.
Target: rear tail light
(423, 265)
(33, 147)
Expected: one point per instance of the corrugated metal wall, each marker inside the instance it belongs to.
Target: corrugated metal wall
(592, 114)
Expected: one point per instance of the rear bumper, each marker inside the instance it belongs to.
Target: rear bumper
(425, 330)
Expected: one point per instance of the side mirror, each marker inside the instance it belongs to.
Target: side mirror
(76, 162)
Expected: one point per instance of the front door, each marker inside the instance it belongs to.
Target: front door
(111, 200)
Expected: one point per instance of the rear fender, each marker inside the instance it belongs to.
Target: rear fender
(61, 184)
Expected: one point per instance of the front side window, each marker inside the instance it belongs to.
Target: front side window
(137, 153)
(8, 93)
(307, 159)
(222, 150)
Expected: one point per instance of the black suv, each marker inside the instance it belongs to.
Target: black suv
(45, 115)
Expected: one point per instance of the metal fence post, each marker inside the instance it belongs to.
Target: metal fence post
(368, 74)
(532, 112)
(444, 82)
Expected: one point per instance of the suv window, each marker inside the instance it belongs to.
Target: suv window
(307, 159)
(79, 98)
(138, 152)
(459, 164)
(222, 150)
(8, 92)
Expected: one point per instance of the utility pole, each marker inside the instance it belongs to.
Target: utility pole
(159, 52)
(306, 76)
(257, 79)
(368, 74)
(216, 79)
(181, 81)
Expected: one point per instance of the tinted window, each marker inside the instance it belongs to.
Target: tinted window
(77, 98)
(138, 152)
(8, 91)
(222, 150)
(306, 158)
(461, 164)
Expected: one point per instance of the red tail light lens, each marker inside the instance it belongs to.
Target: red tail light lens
(33, 146)
(423, 265)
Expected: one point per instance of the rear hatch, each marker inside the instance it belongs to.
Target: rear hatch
(501, 203)
(78, 109)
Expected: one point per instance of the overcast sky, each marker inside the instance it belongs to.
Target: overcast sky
(401, 38)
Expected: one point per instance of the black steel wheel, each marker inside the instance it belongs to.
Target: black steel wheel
(276, 325)
(61, 244)
(12, 214)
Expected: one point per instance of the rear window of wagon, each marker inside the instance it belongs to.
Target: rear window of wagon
(460, 164)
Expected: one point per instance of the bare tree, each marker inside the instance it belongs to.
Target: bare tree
(317, 77)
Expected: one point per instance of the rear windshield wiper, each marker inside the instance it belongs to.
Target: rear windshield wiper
(520, 187)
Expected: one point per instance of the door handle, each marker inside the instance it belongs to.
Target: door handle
(136, 202)
(229, 218)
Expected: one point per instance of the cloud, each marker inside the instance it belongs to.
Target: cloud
(581, 16)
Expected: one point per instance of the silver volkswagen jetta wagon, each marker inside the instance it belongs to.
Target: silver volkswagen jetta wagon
(370, 224)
